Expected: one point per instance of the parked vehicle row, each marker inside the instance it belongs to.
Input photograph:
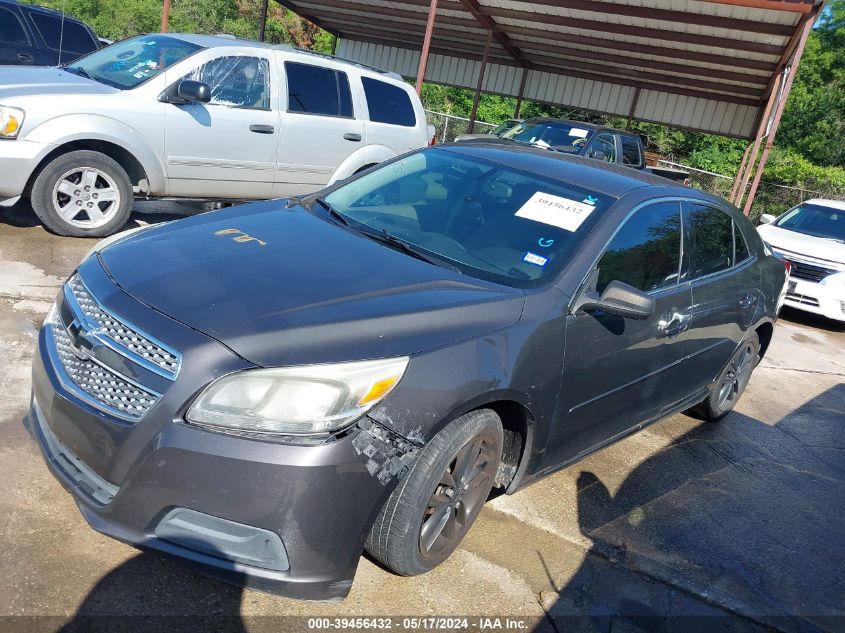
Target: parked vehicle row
(266, 390)
(190, 116)
(598, 142)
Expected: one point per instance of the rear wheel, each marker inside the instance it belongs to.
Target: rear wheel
(82, 194)
(434, 506)
(731, 384)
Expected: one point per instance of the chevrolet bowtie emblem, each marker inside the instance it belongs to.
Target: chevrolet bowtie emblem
(239, 236)
(83, 343)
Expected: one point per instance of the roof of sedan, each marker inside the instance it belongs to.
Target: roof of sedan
(582, 124)
(612, 180)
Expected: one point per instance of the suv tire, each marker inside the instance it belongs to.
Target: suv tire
(82, 194)
(434, 505)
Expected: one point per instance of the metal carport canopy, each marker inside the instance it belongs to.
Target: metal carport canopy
(695, 64)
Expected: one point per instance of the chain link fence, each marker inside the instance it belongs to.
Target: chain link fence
(449, 126)
(771, 197)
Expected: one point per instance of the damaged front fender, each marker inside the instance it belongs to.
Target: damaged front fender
(389, 456)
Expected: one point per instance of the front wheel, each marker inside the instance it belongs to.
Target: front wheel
(82, 194)
(433, 507)
(731, 384)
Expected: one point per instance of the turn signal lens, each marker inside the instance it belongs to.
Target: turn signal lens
(11, 120)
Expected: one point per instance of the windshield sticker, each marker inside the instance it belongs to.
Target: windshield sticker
(590, 200)
(533, 258)
(545, 243)
(579, 132)
(563, 213)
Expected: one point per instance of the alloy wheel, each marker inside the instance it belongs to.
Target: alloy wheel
(735, 377)
(86, 197)
(458, 497)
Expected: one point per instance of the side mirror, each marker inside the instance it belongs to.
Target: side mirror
(190, 91)
(767, 218)
(618, 298)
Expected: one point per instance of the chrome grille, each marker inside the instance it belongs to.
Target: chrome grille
(101, 384)
(132, 341)
(809, 272)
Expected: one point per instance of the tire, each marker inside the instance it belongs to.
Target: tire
(731, 384)
(82, 194)
(423, 496)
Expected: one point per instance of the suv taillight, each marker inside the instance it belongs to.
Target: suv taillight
(433, 140)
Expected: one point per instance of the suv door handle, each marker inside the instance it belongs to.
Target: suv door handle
(25, 57)
(262, 129)
(349, 136)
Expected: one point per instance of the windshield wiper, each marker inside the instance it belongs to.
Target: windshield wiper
(409, 249)
(77, 70)
(337, 215)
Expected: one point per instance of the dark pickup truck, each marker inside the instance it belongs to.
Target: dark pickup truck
(582, 139)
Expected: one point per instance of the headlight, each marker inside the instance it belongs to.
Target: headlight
(305, 400)
(11, 120)
(836, 279)
(114, 239)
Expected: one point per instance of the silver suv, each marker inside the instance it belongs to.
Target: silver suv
(192, 116)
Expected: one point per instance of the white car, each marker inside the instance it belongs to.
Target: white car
(811, 237)
(192, 116)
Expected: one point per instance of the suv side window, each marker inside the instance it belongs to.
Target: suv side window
(606, 144)
(318, 90)
(631, 154)
(73, 37)
(388, 104)
(646, 251)
(11, 29)
(237, 82)
(711, 232)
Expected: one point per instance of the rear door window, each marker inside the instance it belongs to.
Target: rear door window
(631, 152)
(11, 29)
(740, 247)
(646, 251)
(64, 35)
(711, 234)
(318, 90)
(388, 104)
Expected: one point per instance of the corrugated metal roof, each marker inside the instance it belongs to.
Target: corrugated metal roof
(699, 64)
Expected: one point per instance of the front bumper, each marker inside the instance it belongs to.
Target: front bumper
(315, 503)
(18, 160)
(818, 298)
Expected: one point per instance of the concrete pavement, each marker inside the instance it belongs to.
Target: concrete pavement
(683, 526)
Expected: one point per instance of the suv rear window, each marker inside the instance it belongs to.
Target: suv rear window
(318, 90)
(72, 37)
(388, 104)
(11, 29)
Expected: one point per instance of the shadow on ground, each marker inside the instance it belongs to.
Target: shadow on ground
(705, 522)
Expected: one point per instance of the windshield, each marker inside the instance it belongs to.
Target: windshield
(815, 220)
(556, 135)
(483, 218)
(131, 62)
(504, 127)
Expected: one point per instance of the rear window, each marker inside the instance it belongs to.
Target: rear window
(318, 90)
(11, 29)
(64, 35)
(388, 104)
(712, 240)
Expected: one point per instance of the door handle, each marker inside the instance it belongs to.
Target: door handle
(349, 136)
(673, 325)
(25, 57)
(262, 129)
(747, 300)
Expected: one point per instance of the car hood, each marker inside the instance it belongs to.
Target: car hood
(280, 286)
(26, 81)
(807, 246)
